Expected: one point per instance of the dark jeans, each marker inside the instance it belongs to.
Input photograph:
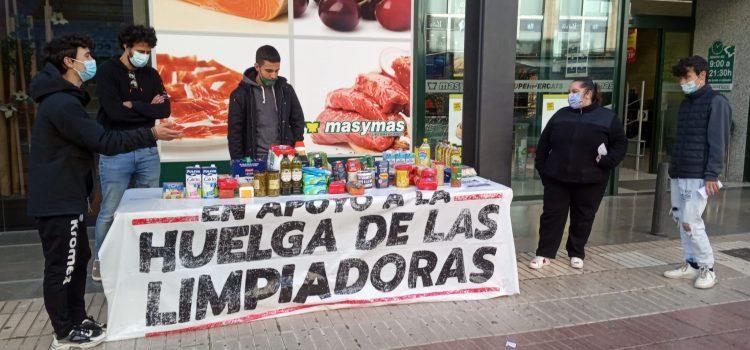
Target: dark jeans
(66, 255)
(582, 201)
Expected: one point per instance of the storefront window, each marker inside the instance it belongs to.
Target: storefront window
(27, 26)
(558, 40)
(444, 69)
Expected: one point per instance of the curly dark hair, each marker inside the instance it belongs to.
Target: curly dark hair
(133, 34)
(697, 63)
(65, 46)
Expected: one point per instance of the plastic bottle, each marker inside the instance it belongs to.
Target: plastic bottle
(423, 154)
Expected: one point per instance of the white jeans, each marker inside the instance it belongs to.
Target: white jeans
(687, 209)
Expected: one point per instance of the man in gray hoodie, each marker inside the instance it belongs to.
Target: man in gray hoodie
(263, 110)
(697, 158)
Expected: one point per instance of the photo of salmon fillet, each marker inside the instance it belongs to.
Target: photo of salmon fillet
(262, 10)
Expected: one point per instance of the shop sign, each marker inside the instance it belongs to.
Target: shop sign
(721, 66)
(570, 26)
(632, 40)
(552, 86)
(444, 86)
(576, 63)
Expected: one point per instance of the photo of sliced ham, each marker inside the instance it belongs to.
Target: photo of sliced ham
(369, 142)
(402, 67)
(262, 10)
(384, 91)
(199, 93)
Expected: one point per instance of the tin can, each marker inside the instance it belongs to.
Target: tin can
(383, 180)
(365, 178)
(353, 165)
(402, 175)
(339, 171)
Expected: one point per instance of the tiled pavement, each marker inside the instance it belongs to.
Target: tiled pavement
(620, 290)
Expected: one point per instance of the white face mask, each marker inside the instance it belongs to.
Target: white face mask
(690, 87)
(139, 59)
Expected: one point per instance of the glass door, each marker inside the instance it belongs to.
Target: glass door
(675, 45)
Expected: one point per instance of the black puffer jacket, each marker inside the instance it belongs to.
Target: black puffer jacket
(243, 116)
(567, 148)
(702, 136)
(63, 143)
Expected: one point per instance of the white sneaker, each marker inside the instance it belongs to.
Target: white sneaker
(576, 263)
(78, 338)
(685, 271)
(538, 262)
(706, 278)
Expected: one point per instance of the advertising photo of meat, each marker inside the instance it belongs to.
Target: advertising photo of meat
(368, 142)
(262, 10)
(199, 92)
(375, 98)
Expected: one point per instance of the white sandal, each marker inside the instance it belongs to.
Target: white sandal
(538, 262)
(576, 263)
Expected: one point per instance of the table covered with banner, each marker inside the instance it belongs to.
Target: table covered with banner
(179, 265)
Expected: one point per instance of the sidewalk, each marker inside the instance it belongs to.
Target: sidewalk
(619, 300)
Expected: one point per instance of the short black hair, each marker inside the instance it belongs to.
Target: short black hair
(65, 46)
(133, 34)
(267, 53)
(697, 63)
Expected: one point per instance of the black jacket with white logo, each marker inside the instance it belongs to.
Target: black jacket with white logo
(63, 142)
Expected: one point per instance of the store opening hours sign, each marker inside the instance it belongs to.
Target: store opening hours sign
(215, 265)
(721, 66)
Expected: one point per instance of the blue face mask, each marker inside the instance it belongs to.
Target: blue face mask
(89, 69)
(689, 87)
(139, 59)
(575, 100)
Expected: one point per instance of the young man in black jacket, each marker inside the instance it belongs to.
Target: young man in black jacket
(697, 158)
(131, 95)
(64, 140)
(263, 109)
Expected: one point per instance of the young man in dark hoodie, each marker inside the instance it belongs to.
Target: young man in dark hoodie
(697, 158)
(263, 109)
(131, 95)
(63, 143)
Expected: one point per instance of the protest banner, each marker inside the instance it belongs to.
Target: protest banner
(182, 265)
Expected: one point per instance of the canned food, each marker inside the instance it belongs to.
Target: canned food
(383, 180)
(365, 178)
(402, 175)
(353, 165)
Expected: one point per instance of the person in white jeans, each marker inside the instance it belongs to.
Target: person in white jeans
(697, 158)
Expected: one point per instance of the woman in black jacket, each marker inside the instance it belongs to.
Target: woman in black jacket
(578, 148)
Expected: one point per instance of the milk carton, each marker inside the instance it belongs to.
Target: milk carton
(210, 179)
(193, 182)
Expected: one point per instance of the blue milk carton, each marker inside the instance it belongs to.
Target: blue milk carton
(210, 181)
(193, 182)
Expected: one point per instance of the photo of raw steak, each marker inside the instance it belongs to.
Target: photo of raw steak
(402, 67)
(385, 91)
(355, 101)
(262, 10)
(370, 142)
(199, 93)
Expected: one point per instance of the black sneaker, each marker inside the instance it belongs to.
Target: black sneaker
(90, 323)
(78, 338)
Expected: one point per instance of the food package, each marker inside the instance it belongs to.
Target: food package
(247, 191)
(337, 187)
(355, 188)
(173, 190)
(193, 181)
(209, 181)
(314, 190)
(275, 154)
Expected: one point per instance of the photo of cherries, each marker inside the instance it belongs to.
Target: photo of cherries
(345, 15)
